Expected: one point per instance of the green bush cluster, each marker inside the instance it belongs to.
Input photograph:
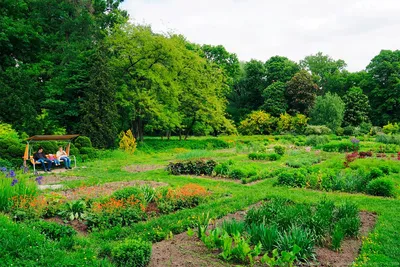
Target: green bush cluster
(388, 139)
(317, 130)
(135, 253)
(264, 156)
(198, 167)
(52, 230)
(350, 180)
(317, 140)
(339, 146)
(246, 173)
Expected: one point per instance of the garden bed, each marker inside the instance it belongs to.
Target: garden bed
(55, 179)
(105, 189)
(185, 250)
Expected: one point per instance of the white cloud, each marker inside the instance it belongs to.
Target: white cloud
(352, 30)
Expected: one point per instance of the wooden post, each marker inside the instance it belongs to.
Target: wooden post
(67, 149)
(26, 154)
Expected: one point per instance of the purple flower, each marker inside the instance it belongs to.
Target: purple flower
(39, 179)
(355, 141)
(3, 169)
(14, 181)
(11, 174)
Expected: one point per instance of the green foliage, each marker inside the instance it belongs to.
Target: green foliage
(258, 156)
(301, 93)
(233, 227)
(381, 187)
(258, 122)
(329, 110)
(199, 167)
(297, 236)
(82, 141)
(266, 235)
(274, 99)
(339, 146)
(388, 139)
(74, 210)
(391, 128)
(127, 142)
(315, 140)
(285, 259)
(279, 150)
(337, 237)
(295, 178)
(135, 253)
(357, 107)
(317, 130)
(128, 192)
(52, 230)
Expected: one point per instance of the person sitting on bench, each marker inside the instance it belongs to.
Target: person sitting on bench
(62, 155)
(39, 156)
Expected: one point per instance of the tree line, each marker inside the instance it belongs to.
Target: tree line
(80, 66)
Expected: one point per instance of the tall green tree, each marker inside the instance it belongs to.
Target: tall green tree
(357, 107)
(301, 92)
(274, 99)
(385, 96)
(328, 110)
(280, 69)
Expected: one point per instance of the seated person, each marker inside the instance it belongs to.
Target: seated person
(62, 155)
(39, 156)
(53, 158)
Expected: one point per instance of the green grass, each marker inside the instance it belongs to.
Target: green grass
(380, 249)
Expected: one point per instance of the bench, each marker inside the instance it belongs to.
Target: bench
(34, 162)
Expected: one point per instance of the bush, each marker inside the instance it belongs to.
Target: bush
(82, 141)
(317, 130)
(52, 230)
(135, 253)
(279, 150)
(297, 236)
(391, 128)
(388, 139)
(350, 130)
(339, 146)
(273, 157)
(294, 177)
(328, 109)
(365, 127)
(257, 122)
(199, 167)
(316, 140)
(127, 142)
(258, 156)
(381, 187)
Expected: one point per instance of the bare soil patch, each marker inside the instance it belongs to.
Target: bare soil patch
(105, 189)
(56, 179)
(143, 168)
(350, 247)
(79, 226)
(183, 250)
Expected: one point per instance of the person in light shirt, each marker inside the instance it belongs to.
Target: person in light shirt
(62, 155)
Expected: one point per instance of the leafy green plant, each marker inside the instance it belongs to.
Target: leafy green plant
(286, 259)
(280, 150)
(149, 193)
(132, 253)
(381, 187)
(74, 210)
(198, 167)
(261, 233)
(297, 236)
(233, 227)
(203, 221)
(337, 237)
(258, 156)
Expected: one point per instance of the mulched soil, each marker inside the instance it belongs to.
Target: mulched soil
(143, 168)
(104, 189)
(183, 250)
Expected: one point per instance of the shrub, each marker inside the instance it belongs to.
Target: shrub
(381, 187)
(337, 237)
(317, 130)
(328, 109)
(316, 140)
(233, 227)
(339, 146)
(293, 177)
(127, 141)
(257, 122)
(266, 235)
(52, 230)
(198, 167)
(273, 157)
(258, 156)
(279, 150)
(135, 253)
(391, 128)
(365, 127)
(388, 139)
(82, 141)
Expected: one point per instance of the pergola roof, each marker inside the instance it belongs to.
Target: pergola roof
(52, 137)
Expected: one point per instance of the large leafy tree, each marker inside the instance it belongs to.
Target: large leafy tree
(328, 110)
(274, 99)
(385, 96)
(280, 69)
(322, 67)
(301, 92)
(357, 107)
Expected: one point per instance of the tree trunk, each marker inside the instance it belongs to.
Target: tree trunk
(190, 128)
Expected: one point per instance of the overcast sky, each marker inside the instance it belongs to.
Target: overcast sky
(352, 30)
